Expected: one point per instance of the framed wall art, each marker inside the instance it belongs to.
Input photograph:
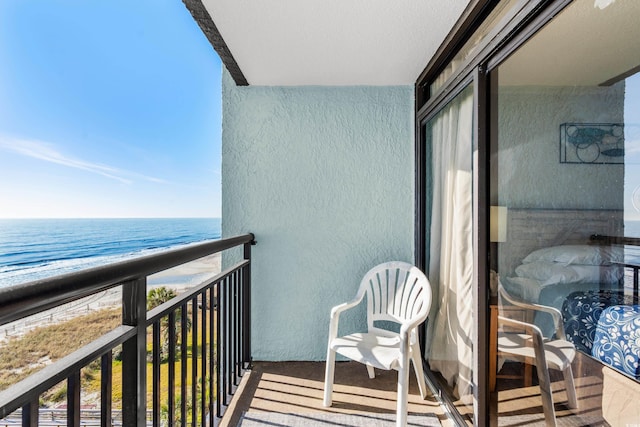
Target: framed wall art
(596, 143)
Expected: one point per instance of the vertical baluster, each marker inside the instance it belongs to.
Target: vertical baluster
(212, 354)
(106, 383)
(203, 357)
(194, 361)
(229, 337)
(171, 361)
(30, 413)
(222, 349)
(184, 333)
(241, 320)
(156, 373)
(237, 334)
(232, 333)
(73, 400)
(218, 353)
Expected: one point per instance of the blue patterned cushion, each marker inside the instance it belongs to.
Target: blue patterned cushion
(617, 338)
(581, 312)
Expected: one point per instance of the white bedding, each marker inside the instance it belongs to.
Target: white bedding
(547, 276)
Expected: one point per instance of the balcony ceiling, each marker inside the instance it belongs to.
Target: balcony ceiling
(585, 45)
(333, 42)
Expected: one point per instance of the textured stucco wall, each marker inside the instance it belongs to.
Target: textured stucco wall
(324, 177)
(530, 172)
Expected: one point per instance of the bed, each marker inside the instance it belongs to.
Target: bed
(549, 258)
(548, 255)
(606, 326)
(549, 276)
(533, 229)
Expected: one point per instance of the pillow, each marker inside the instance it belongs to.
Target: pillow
(553, 272)
(577, 254)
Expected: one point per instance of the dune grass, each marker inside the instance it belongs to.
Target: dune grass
(22, 356)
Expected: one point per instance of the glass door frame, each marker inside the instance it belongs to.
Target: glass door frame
(479, 150)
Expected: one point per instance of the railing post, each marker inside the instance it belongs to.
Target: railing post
(194, 361)
(171, 392)
(212, 355)
(156, 372)
(246, 309)
(134, 353)
(106, 382)
(73, 400)
(219, 354)
(30, 413)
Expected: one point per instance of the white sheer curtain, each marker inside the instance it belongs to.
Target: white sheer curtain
(450, 328)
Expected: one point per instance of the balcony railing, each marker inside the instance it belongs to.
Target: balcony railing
(215, 315)
(633, 266)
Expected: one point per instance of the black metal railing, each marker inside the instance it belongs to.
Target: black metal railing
(633, 266)
(215, 315)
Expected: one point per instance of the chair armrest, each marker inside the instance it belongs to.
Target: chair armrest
(536, 336)
(336, 310)
(532, 330)
(335, 315)
(554, 312)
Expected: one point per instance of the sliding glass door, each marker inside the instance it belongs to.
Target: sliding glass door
(545, 213)
(449, 246)
(566, 207)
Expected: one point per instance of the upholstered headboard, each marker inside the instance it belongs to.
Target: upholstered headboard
(531, 229)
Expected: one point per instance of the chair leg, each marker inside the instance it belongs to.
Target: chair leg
(403, 393)
(417, 366)
(328, 377)
(570, 386)
(545, 392)
(371, 371)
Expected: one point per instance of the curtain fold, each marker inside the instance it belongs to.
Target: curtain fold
(450, 329)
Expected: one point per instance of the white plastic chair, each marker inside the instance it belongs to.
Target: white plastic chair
(533, 348)
(396, 292)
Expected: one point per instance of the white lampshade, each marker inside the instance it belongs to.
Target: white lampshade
(498, 224)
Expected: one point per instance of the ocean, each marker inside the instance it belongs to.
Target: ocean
(632, 253)
(32, 249)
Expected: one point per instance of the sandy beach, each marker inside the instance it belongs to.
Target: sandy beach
(179, 278)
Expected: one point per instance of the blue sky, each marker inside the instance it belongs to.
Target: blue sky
(107, 109)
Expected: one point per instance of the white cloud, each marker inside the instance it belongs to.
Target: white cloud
(47, 152)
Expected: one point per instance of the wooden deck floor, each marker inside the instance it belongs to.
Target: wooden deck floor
(297, 387)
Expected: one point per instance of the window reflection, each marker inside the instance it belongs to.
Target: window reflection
(566, 165)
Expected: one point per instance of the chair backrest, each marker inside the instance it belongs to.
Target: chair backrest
(396, 291)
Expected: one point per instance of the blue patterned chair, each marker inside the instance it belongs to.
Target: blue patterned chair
(617, 338)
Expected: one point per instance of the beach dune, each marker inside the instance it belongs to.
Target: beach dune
(179, 278)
